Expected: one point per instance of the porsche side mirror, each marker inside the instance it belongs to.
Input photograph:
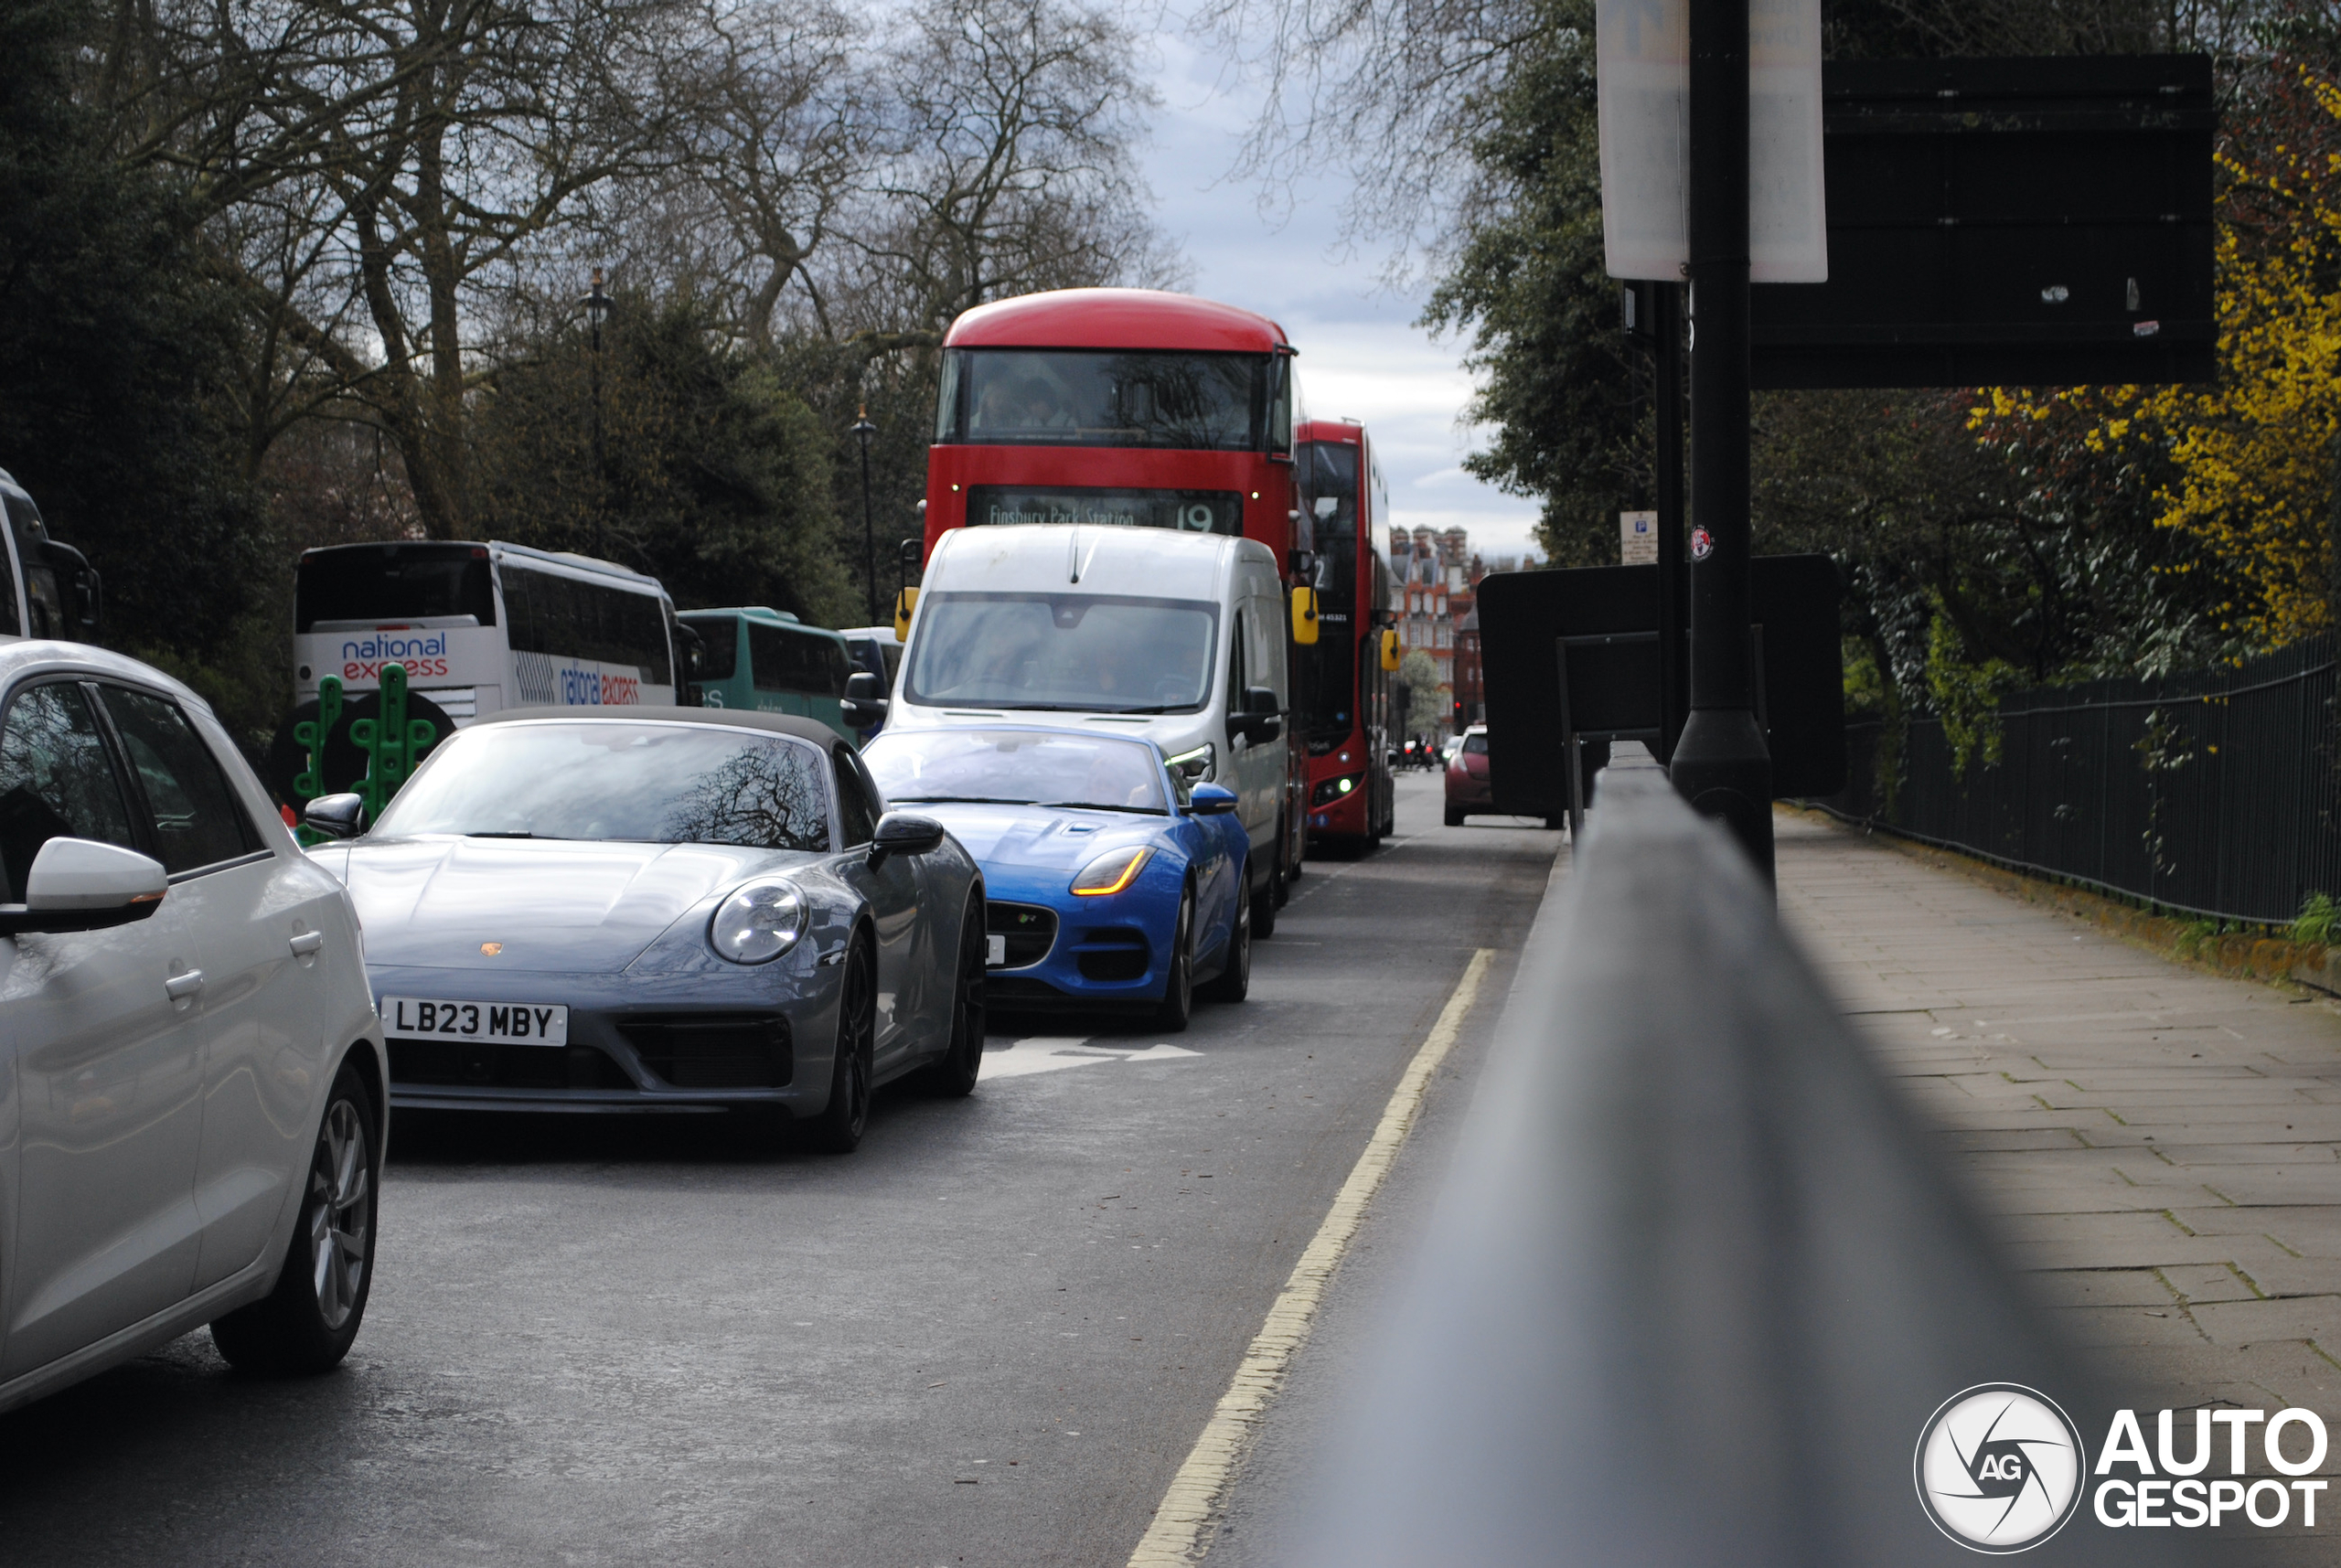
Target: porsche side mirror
(902, 833)
(79, 884)
(1211, 800)
(335, 816)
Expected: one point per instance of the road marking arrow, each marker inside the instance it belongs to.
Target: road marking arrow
(1053, 1053)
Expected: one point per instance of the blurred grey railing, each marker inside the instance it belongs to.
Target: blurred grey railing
(1696, 1282)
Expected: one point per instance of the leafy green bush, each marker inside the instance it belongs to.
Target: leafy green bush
(2315, 921)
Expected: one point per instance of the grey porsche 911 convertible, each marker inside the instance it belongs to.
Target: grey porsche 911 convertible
(661, 908)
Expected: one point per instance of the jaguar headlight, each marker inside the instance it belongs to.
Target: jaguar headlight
(758, 923)
(1111, 872)
(1197, 764)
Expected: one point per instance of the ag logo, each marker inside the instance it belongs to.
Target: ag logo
(1999, 1468)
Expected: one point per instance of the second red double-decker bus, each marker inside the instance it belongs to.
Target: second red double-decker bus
(1340, 696)
(1121, 408)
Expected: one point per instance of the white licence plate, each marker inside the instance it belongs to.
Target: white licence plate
(997, 950)
(502, 1023)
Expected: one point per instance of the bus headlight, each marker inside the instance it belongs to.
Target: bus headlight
(758, 924)
(1331, 790)
(1196, 765)
(1111, 872)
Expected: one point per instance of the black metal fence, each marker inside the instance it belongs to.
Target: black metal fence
(2213, 792)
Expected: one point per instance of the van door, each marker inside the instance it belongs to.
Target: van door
(1256, 767)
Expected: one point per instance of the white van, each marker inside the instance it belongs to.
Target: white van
(482, 627)
(1178, 637)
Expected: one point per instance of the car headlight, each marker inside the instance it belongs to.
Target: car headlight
(758, 923)
(1111, 872)
(1196, 765)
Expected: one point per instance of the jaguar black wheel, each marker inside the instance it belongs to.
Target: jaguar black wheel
(1178, 991)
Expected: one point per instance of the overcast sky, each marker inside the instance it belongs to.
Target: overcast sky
(1361, 356)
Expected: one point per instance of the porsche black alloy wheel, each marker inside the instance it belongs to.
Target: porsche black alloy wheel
(838, 1128)
(1178, 994)
(305, 1324)
(956, 1074)
(1233, 983)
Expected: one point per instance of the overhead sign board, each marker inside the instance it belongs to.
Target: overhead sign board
(1642, 55)
(2036, 222)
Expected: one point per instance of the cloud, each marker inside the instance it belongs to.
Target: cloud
(1361, 354)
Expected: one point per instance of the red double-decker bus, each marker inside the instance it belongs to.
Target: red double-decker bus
(1340, 696)
(1121, 407)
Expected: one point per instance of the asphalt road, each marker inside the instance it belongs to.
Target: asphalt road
(989, 1337)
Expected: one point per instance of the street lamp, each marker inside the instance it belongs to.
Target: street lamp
(597, 311)
(862, 430)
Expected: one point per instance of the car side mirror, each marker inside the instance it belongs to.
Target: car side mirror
(1211, 800)
(1261, 700)
(79, 884)
(902, 833)
(863, 687)
(335, 816)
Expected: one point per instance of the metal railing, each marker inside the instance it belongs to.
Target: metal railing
(2214, 793)
(1696, 1283)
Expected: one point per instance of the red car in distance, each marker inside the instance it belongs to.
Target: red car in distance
(1468, 791)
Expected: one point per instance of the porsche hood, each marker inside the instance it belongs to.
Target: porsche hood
(575, 906)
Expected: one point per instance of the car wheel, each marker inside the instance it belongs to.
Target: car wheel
(1233, 983)
(1178, 991)
(1264, 904)
(306, 1324)
(838, 1128)
(955, 1075)
(1454, 816)
(1287, 868)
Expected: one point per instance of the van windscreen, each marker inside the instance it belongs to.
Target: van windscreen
(375, 582)
(1066, 652)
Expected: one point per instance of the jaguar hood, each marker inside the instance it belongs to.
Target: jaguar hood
(1040, 837)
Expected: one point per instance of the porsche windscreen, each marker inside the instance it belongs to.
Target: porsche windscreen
(1015, 767)
(651, 783)
(1086, 653)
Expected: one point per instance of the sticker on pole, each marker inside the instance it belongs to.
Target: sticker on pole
(1702, 544)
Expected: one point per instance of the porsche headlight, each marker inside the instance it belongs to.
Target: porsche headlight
(1196, 765)
(758, 923)
(1111, 872)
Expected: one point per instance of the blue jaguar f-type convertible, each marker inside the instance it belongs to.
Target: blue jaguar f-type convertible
(1110, 883)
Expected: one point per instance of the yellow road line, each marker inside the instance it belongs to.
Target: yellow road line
(1181, 1532)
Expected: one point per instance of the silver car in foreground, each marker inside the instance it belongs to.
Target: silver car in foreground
(663, 909)
(192, 1107)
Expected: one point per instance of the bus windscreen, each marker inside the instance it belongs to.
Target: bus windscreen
(1325, 684)
(1087, 396)
(368, 584)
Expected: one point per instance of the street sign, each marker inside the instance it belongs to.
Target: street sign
(1642, 54)
(2034, 222)
(1637, 538)
(1593, 628)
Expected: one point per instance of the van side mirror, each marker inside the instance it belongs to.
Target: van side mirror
(865, 699)
(335, 816)
(1258, 716)
(79, 884)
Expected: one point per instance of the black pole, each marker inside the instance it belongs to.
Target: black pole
(597, 306)
(1721, 765)
(1673, 587)
(862, 430)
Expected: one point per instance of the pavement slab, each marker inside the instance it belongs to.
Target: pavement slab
(2161, 1146)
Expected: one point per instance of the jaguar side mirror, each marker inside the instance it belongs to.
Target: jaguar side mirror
(1211, 800)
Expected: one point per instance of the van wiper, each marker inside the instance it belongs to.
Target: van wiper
(499, 836)
(961, 800)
